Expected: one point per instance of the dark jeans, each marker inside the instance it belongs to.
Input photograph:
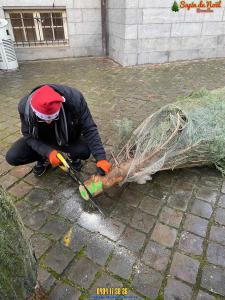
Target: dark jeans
(20, 153)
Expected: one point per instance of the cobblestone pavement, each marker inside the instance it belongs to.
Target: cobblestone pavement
(162, 240)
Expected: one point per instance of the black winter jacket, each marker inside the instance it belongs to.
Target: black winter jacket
(79, 122)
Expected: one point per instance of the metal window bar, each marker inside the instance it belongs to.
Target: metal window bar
(40, 34)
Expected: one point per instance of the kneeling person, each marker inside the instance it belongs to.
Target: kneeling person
(56, 118)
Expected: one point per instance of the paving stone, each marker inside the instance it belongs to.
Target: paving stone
(156, 256)
(50, 206)
(23, 208)
(221, 201)
(217, 234)
(178, 202)
(5, 168)
(37, 196)
(170, 216)
(79, 238)
(206, 194)
(20, 171)
(142, 221)
(151, 205)
(64, 291)
(99, 249)
(147, 281)
(131, 197)
(216, 254)
(201, 209)
(36, 220)
(82, 272)
(33, 180)
(220, 216)
(182, 187)
(20, 189)
(109, 227)
(204, 296)
(58, 258)
(184, 267)
(213, 279)
(105, 281)
(164, 235)
(132, 239)
(223, 187)
(122, 262)
(55, 228)
(177, 290)
(40, 244)
(196, 225)
(156, 190)
(71, 208)
(7, 181)
(123, 213)
(191, 243)
(45, 279)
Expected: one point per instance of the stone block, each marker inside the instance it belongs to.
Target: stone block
(130, 46)
(216, 254)
(156, 3)
(40, 244)
(186, 29)
(156, 256)
(99, 249)
(116, 15)
(35, 220)
(213, 28)
(105, 280)
(183, 55)
(131, 32)
(64, 291)
(123, 213)
(201, 209)
(82, 272)
(131, 16)
(220, 216)
(86, 40)
(87, 4)
(88, 28)
(74, 15)
(154, 57)
(131, 4)
(204, 296)
(132, 239)
(196, 225)
(222, 201)
(177, 290)
(154, 31)
(191, 243)
(91, 15)
(164, 235)
(213, 279)
(206, 194)
(55, 228)
(171, 216)
(128, 59)
(147, 281)
(142, 221)
(151, 205)
(217, 234)
(122, 262)
(116, 3)
(7, 181)
(184, 268)
(58, 258)
(162, 15)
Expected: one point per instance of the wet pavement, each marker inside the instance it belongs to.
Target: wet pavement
(161, 240)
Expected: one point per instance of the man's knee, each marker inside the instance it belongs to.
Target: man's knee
(11, 158)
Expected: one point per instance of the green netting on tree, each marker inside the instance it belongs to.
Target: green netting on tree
(18, 270)
(190, 132)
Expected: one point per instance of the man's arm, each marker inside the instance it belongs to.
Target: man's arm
(90, 132)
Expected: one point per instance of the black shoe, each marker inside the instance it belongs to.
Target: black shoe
(77, 165)
(41, 167)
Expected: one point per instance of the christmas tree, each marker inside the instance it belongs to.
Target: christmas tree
(175, 7)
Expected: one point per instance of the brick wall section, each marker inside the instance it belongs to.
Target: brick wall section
(156, 34)
(84, 28)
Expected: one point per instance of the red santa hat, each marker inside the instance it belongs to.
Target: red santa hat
(46, 103)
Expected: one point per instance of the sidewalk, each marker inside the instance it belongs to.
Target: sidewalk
(164, 239)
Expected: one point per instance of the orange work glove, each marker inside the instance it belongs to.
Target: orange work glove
(103, 167)
(53, 158)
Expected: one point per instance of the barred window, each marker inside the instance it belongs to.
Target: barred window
(36, 28)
